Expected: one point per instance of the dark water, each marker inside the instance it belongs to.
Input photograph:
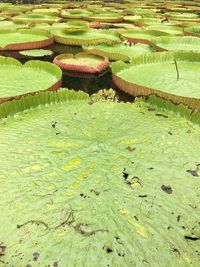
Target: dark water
(87, 83)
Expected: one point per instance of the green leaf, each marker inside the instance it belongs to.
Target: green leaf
(17, 79)
(173, 76)
(89, 179)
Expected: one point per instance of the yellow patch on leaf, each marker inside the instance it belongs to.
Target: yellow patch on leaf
(134, 141)
(86, 171)
(72, 164)
(63, 144)
(139, 228)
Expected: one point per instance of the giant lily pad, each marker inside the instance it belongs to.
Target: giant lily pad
(154, 21)
(12, 25)
(178, 43)
(83, 37)
(16, 9)
(73, 25)
(141, 36)
(17, 79)
(166, 28)
(120, 51)
(193, 30)
(183, 16)
(63, 49)
(36, 53)
(35, 18)
(82, 62)
(131, 18)
(75, 14)
(2, 17)
(24, 39)
(106, 182)
(173, 76)
(47, 11)
(105, 17)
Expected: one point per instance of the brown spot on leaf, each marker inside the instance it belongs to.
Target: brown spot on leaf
(193, 172)
(2, 250)
(36, 256)
(130, 149)
(167, 189)
(161, 115)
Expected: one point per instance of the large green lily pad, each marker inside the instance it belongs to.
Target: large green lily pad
(12, 25)
(179, 16)
(141, 36)
(36, 53)
(75, 13)
(120, 51)
(47, 11)
(17, 79)
(83, 37)
(106, 17)
(173, 76)
(131, 18)
(112, 183)
(167, 28)
(16, 9)
(35, 18)
(178, 43)
(18, 39)
(193, 30)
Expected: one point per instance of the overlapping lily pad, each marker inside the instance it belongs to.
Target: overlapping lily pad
(121, 51)
(36, 53)
(2, 17)
(35, 18)
(17, 79)
(82, 62)
(12, 25)
(74, 180)
(85, 37)
(173, 76)
(174, 30)
(193, 30)
(179, 16)
(142, 36)
(19, 39)
(178, 43)
(106, 17)
(47, 11)
(75, 14)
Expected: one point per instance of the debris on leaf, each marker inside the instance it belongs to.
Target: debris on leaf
(2, 250)
(130, 149)
(53, 124)
(167, 189)
(125, 174)
(192, 237)
(161, 115)
(193, 172)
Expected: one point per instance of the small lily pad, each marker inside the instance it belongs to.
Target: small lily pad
(36, 53)
(82, 62)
